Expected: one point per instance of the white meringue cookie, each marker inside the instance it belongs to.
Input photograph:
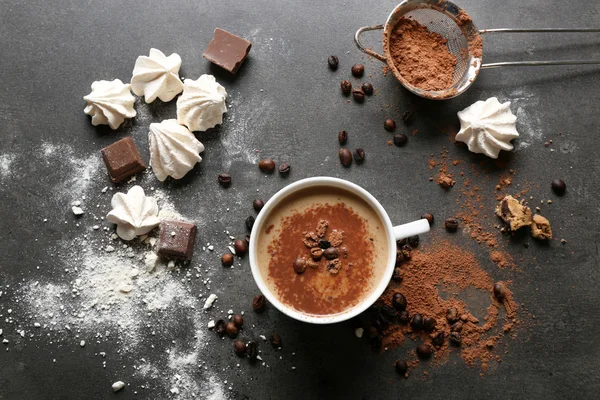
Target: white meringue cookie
(134, 213)
(110, 103)
(173, 149)
(157, 76)
(487, 127)
(202, 104)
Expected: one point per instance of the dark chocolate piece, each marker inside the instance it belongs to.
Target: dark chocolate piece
(227, 50)
(122, 159)
(177, 239)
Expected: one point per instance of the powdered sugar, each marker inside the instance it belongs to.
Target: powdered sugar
(6, 161)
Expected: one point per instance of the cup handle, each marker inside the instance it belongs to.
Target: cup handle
(412, 228)
(365, 50)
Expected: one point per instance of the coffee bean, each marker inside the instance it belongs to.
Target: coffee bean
(358, 95)
(250, 222)
(438, 340)
(275, 340)
(239, 347)
(451, 224)
(413, 241)
(252, 351)
(316, 253)
(428, 217)
(397, 275)
(342, 137)
(345, 157)
(331, 253)
(224, 179)
(238, 320)
(400, 139)
(401, 367)
(346, 87)
(399, 258)
(231, 330)
(407, 117)
(359, 156)
(417, 322)
(400, 243)
(372, 332)
(267, 165)
(284, 169)
(424, 351)
(429, 323)
(227, 260)
(240, 247)
(358, 70)
(406, 252)
(452, 314)
(333, 62)
(389, 125)
(559, 186)
(399, 301)
(258, 304)
(258, 204)
(456, 327)
(300, 265)
(367, 88)
(455, 338)
(220, 327)
(404, 317)
(499, 291)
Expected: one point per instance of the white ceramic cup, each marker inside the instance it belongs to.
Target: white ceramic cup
(393, 233)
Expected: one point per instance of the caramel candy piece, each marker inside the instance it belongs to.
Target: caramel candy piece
(515, 214)
(227, 50)
(177, 239)
(540, 228)
(122, 159)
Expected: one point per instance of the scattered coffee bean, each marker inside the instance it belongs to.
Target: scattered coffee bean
(258, 204)
(400, 139)
(401, 367)
(258, 304)
(406, 252)
(252, 351)
(240, 247)
(399, 258)
(404, 317)
(275, 340)
(407, 117)
(358, 95)
(345, 157)
(316, 253)
(455, 338)
(428, 217)
(220, 327)
(452, 314)
(346, 87)
(499, 291)
(342, 137)
(284, 169)
(239, 347)
(238, 320)
(438, 340)
(413, 241)
(399, 301)
(231, 330)
(451, 224)
(397, 275)
(250, 222)
(331, 253)
(400, 243)
(417, 322)
(300, 265)
(424, 351)
(429, 323)
(324, 244)
(227, 260)
(333, 62)
(372, 332)
(559, 186)
(267, 165)
(367, 88)
(359, 156)
(358, 70)
(224, 179)
(457, 326)
(389, 312)
(389, 125)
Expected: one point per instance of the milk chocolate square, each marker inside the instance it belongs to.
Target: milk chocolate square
(227, 50)
(122, 159)
(177, 239)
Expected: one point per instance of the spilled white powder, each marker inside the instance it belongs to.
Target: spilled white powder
(6, 161)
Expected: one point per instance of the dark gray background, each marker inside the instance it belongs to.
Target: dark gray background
(291, 109)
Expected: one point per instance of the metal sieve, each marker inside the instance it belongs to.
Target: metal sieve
(444, 18)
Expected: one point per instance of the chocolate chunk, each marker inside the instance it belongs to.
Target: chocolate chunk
(334, 266)
(122, 159)
(322, 228)
(300, 265)
(324, 244)
(331, 253)
(227, 50)
(177, 239)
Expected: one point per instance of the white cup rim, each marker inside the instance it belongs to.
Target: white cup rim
(367, 301)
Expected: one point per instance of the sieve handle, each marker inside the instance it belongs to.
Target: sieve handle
(538, 30)
(362, 48)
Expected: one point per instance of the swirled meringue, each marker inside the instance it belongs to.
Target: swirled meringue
(157, 76)
(173, 149)
(110, 103)
(202, 104)
(487, 127)
(134, 213)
